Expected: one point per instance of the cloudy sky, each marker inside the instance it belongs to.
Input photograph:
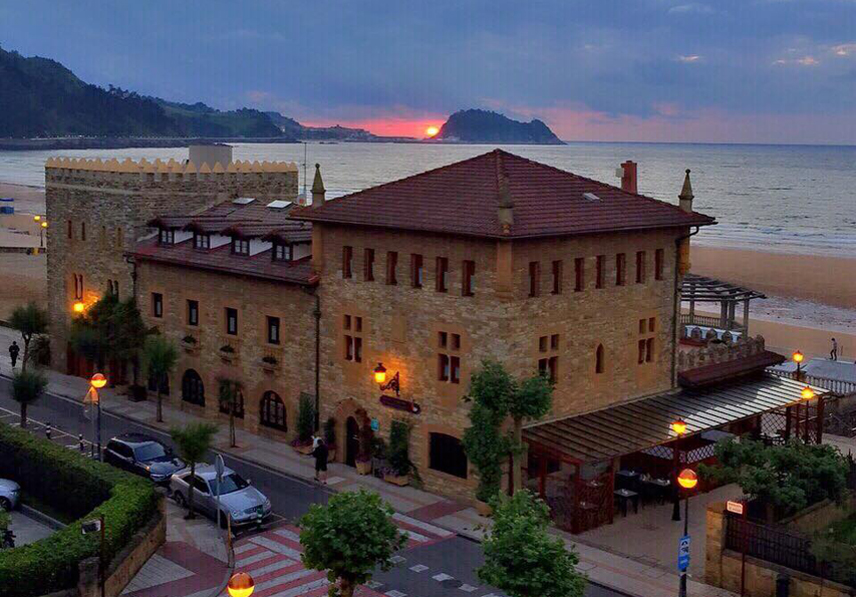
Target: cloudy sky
(762, 71)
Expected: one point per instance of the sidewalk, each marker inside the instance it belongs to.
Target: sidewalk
(637, 578)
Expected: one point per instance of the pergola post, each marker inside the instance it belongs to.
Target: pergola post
(732, 307)
(746, 318)
(723, 316)
(819, 416)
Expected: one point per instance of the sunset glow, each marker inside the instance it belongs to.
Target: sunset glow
(431, 131)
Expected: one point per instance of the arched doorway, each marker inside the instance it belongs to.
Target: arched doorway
(272, 411)
(352, 441)
(192, 389)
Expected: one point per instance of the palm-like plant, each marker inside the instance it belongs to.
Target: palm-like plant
(230, 393)
(193, 441)
(30, 320)
(160, 357)
(27, 387)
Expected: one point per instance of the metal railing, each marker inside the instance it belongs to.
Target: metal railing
(837, 386)
(708, 321)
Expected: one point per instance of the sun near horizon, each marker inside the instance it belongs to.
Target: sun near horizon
(431, 131)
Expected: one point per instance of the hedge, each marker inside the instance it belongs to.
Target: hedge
(82, 487)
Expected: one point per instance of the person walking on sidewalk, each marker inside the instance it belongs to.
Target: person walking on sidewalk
(14, 349)
(321, 453)
(833, 354)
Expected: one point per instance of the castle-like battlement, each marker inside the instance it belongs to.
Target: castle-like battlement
(161, 167)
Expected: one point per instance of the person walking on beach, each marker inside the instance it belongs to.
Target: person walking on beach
(14, 349)
(321, 453)
(833, 354)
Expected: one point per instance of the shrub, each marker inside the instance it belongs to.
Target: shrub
(227, 348)
(270, 360)
(84, 489)
(189, 339)
(305, 419)
(399, 448)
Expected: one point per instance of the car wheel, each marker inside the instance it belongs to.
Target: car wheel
(179, 499)
(5, 504)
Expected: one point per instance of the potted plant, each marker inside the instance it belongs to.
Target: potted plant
(305, 425)
(398, 471)
(379, 457)
(227, 353)
(189, 343)
(364, 457)
(269, 363)
(330, 438)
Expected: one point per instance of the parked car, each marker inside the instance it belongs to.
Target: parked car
(10, 494)
(144, 456)
(243, 502)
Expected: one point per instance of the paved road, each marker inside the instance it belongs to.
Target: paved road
(456, 557)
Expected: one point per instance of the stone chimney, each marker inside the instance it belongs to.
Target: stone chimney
(318, 191)
(628, 177)
(506, 206)
(686, 196)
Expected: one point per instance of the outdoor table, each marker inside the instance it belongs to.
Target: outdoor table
(628, 480)
(624, 496)
(656, 488)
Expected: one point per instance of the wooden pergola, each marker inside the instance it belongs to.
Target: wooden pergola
(699, 289)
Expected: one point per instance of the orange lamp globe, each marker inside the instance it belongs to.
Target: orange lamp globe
(98, 381)
(798, 357)
(807, 393)
(679, 427)
(79, 307)
(380, 374)
(37, 218)
(688, 478)
(44, 224)
(241, 585)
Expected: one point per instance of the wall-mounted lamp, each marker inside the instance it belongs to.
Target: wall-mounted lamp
(380, 378)
(79, 307)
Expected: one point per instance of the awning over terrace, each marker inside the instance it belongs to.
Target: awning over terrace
(634, 426)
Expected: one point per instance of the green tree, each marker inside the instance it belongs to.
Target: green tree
(531, 399)
(194, 440)
(27, 387)
(30, 320)
(399, 448)
(486, 447)
(522, 559)
(349, 537)
(229, 396)
(784, 478)
(305, 419)
(159, 357)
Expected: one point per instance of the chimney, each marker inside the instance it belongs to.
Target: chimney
(686, 196)
(318, 190)
(628, 177)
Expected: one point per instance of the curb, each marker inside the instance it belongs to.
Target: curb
(41, 517)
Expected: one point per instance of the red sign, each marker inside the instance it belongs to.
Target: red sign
(734, 507)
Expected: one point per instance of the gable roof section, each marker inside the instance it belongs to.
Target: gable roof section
(465, 198)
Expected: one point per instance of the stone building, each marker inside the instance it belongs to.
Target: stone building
(495, 257)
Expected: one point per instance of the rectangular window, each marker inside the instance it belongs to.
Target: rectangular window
(641, 258)
(240, 246)
(579, 274)
(542, 344)
(449, 365)
(442, 282)
(550, 368)
(353, 342)
(534, 278)
(349, 348)
(620, 269)
(192, 312)
(456, 341)
(391, 268)
(643, 326)
(557, 277)
(165, 237)
(454, 369)
(443, 367)
(273, 330)
(358, 324)
(281, 252)
(443, 339)
(201, 241)
(347, 262)
(70, 232)
(642, 351)
(600, 273)
(554, 342)
(83, 231)
(157, 304)
(368, 265)
(652, 323)
(358, 350)
(468, 275)
(649, 350)
(231, 321)
(416, 270)
(346, 322)
(446, 454)
(658, 264)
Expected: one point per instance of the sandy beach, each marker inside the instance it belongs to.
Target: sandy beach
(29, 200)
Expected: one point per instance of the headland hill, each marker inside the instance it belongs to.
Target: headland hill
(45, 106)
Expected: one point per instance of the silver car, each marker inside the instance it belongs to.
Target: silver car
(10, 494)
(238, 499)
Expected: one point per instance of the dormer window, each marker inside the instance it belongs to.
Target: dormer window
(201, 241)
(240, 246)
(166, 237)
(281, 252)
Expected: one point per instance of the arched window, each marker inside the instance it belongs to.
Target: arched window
(239, 406)
(599, 363)
(446, 454)
(272, 412)
(192, 389)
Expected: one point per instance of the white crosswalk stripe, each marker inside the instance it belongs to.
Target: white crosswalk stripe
(430, 528)
(244, 547)
(273, 567)
(281, 580)
(290, 535)
(256, 557)
(301, 590)
(277, 547)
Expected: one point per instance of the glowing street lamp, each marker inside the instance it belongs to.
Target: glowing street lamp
(679, 427)
(241, 585)
(380, 374)
(798, 359)
(42, 234)
(688, 479)
(37, 218)
(380, 379)
(807, 393)
(78, 307)
(96, 382)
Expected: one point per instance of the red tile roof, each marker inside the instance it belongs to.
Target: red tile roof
(464, 197)
(716, 372)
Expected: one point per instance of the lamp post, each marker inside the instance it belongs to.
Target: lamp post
(97, 382)
(798, 359)
(688, 480)
(241, 585)
(380, 378)
(680, 428)
(42, 234)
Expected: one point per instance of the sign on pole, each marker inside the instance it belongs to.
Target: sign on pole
(735, 507)
(219, 466)
(684, 553)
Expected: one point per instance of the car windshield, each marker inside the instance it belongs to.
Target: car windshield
(150, 451)
(229, 483)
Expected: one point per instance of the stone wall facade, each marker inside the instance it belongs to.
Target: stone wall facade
(99, 210)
